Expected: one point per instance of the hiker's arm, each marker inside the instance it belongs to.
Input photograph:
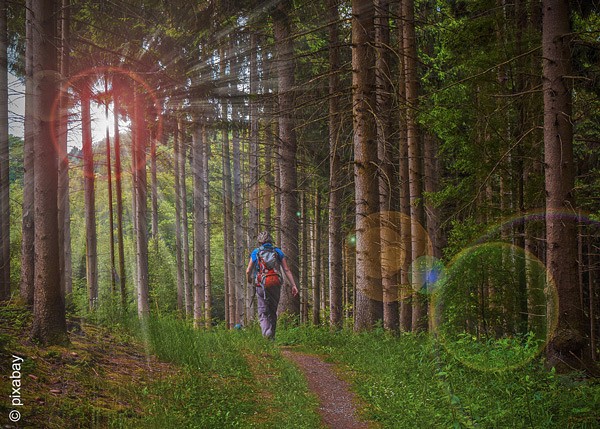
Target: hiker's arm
(249, 271)
(289, 275)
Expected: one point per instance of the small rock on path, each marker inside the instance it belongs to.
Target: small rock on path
(336, 401)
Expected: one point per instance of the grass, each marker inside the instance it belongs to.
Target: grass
(163, 375)
(95, 381)
(232, 379)
(167, 374)
(413, 382)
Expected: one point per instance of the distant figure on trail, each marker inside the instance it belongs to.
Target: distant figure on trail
(264, 272)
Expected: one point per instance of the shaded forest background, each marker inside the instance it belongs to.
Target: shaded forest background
(403, 154)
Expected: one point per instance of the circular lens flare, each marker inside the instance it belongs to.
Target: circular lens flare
(495, 307)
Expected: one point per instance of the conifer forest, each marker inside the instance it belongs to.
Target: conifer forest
(429, 168)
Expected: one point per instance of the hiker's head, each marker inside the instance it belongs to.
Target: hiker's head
(264, 237)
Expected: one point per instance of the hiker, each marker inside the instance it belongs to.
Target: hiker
(264, 272)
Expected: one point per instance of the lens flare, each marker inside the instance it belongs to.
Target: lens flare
(495, 307)
(66, 90)
(426, 273)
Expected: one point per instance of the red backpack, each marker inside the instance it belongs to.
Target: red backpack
(268, 268)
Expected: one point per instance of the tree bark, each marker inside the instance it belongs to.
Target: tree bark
(154, 188)
(181, 295)
(31, 126)
(198, 147)
(140, 196)
(185, 240)
(282, 30)
(388, 231)
(4, 159)
(91, 250)
(119, 190)
(335, 192)
(64, 207)
(406, 292)
(49, 324)
(228, 233)
(267, 196)
(253, 185)
(316, 266)
(368, 304)
(207, 235)
(566, 346)
(238, 231)
(304, 251)
(113, 272)
(418, 240)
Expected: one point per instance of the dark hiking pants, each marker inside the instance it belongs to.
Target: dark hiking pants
(268, 299)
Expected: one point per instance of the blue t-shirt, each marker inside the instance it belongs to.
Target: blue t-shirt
(254, 254)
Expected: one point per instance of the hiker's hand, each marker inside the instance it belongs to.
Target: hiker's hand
(294, 290)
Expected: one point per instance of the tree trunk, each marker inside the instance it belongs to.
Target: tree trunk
(335, 173)
(185, 237)
(113, 272)
(316, 266)
(520, 134)
(406, 292)
(418, 240)
(566, 346)
(431, 172)
(304, 250)
(4, 159)
(267, 197)
(154, 187)
(140, 196)
(49, 324)
(91, 250)
(64, 207)
(198, 147)
(207, 235)
(253, 185)
(228, 233)
(277, 186)
(119, 189)
(31, 125)
(368, 304)
(238, 231)
(282, 29)
(182, 306)
(388, 231)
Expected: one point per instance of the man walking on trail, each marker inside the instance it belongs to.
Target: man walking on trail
(264, 272)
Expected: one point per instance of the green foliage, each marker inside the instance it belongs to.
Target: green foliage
(228, 379)
(412, 381)
(162, 276)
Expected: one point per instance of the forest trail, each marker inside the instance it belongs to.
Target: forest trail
(337, 403)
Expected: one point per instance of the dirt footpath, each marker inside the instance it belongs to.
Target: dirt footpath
(337, 403)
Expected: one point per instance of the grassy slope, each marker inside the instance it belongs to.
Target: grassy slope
(109, 379)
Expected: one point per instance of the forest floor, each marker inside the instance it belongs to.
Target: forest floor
(85, 384)
(107, 378)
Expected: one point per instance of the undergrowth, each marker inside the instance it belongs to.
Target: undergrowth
(412, 381)
(164, 373)
(229, 379)
(109, 376)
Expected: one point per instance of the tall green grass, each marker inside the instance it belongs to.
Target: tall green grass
(413, 382)
(227, 379)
